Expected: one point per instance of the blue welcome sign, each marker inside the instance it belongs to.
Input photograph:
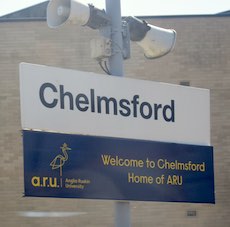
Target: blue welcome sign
(91, 167)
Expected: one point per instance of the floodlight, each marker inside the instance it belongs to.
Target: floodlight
(155, 41)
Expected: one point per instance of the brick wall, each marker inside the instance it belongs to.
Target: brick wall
(201, 56)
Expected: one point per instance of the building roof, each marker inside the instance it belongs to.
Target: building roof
(38, 12)
(35, 12)
(225, 12)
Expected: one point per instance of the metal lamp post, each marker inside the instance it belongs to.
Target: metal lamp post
(113, 10)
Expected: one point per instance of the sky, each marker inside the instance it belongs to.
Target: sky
(139, 7)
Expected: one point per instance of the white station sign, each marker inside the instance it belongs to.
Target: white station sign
(75, 102)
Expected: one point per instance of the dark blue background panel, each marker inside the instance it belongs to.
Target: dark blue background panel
(91, 167)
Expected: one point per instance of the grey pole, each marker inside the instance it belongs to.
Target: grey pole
(113, 9)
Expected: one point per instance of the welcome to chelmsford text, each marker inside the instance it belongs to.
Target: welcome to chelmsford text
(93, 103)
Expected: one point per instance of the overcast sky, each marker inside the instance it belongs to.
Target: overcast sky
(139, 7)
